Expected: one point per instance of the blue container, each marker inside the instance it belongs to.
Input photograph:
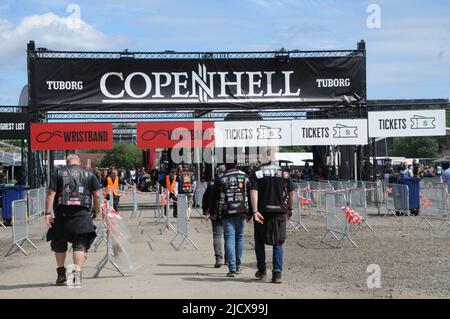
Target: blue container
(8, 195)
(414, 191)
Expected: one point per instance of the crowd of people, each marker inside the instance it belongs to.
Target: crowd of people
(414, 170)
(263, 196)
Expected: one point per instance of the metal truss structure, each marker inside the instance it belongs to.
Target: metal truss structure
(124, 120)
(43, 53)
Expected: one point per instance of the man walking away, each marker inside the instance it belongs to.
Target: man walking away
(272, 198)
(69, 194)
(230, 200)
(446, 176)
(216, 220)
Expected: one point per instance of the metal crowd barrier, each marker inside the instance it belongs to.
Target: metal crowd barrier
(19, 226)
(167, 225)
(109, 251)
(182, 225)
(159, 209)
(318, 202)
(374, 194)
(36, 203)
(397, 200)
(357, 201)
(299, 207)
(101, 230)
(434, 204)
(336, 220)
(430, 181)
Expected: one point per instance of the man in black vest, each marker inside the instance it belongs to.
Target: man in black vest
(216, 221)
(70, 195)
(272, 197)
(230, 199)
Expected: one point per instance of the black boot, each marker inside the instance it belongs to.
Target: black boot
(61, 280)
(276, 277)
(218, 263)
(261, 274)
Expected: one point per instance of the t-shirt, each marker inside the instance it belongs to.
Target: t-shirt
(447, 176)
(272, 188)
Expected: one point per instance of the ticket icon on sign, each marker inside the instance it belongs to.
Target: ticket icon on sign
(345, 131)
(421, 122)
(267, 133)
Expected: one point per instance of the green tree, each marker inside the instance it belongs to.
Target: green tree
(293, 149)
(419, 147)
(122, 155)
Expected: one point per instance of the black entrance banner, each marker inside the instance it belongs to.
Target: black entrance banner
(93, 84)
(13, 126)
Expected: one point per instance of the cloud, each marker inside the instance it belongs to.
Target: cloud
(53, 32)
(50, 31)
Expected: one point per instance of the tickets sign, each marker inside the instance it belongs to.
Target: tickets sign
(329, 132)
(253, 133)
(407, 123)
(71, 136)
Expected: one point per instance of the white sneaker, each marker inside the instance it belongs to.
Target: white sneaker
(76, 279)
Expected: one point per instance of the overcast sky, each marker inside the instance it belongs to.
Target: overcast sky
(408, 56)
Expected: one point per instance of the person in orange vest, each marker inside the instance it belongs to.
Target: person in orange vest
(112, 183)
(170, 184)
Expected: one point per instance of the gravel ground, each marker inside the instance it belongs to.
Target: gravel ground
(414, 261)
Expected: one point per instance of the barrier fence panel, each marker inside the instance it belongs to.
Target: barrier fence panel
(159, 207)
(397, 200)
(336, 185)
(105, 212)
(374, 195)
(434, 204)
(305, 199)
(336, 221)
(19, 226)
(101, 230)
(357, 201)
(33, 204)
(182, 225)
(167, 225)
(299, 206)
(318, 191)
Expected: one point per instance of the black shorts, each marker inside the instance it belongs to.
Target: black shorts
(80, 242)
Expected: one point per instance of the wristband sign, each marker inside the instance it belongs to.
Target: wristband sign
(71, 136)
(407, 123)
(175, 134)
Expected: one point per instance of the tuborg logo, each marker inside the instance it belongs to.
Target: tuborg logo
(201, 86)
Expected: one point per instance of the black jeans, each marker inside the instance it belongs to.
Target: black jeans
(175, 207)
(116, 202)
